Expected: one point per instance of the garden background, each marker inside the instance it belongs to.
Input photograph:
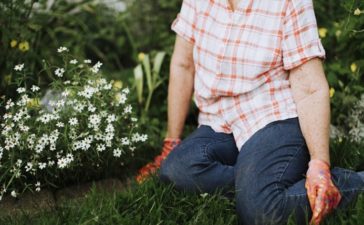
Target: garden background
(133, 41)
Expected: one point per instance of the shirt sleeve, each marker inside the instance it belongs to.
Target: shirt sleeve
(301, 41)
(185, 22)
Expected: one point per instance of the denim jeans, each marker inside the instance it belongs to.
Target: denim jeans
(267, 175)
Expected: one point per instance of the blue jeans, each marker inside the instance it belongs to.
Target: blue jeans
(267, 175)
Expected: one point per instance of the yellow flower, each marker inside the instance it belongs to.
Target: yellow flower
(338, 33)
(353, 67)
(13, 43)
(322, 32)
(357, 12)
(332, 92)
(141, 56)
(33, 103)
(117, 85)
(24, 46)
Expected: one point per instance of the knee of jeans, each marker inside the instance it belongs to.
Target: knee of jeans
(165, 172)
(259, 208)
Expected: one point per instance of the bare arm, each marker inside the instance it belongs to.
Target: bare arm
(180, 87)
(311, 94)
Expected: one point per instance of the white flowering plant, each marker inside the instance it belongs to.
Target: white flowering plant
(83, 121)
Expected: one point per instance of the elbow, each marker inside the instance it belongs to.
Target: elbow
(179, 68)
(313, 90)
(321, 89)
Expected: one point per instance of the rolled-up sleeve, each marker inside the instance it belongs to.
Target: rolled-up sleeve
(185, 22)
(301, 41)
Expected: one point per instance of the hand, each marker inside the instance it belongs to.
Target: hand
(168, 145)
(322, 193)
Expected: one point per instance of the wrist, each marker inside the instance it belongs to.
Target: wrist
(319, 162)
(172, 139)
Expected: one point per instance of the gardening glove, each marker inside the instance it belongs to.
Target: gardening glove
(322, 193)
(168, 145)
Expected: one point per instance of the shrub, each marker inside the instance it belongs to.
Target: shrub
(82, 124)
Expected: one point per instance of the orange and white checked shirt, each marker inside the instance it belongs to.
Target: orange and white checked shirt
(242, 59)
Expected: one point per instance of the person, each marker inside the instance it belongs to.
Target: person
(254, 69)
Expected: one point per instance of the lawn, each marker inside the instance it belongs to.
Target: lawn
(154, 203)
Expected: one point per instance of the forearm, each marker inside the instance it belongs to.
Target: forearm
(180, 91)
(314, 116)
(310, 91)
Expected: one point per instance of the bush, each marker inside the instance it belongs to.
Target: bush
(83, 124)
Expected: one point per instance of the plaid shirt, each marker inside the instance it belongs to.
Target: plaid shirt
(242, 59)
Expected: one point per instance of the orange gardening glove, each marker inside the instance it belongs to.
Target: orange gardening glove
(168, 145)
(322, 193)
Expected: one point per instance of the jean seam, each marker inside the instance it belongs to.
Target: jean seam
(280, 177)
(341, 191)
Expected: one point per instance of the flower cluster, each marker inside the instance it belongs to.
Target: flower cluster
(354, 131)
(83, 120)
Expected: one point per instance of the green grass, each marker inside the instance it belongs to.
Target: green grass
(154, 203)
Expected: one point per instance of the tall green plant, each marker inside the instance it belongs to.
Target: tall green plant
(151, 72)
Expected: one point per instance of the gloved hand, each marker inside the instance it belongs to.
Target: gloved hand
(322, 193)
(168, 145)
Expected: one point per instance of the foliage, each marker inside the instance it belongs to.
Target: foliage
(81, 125)
(32, 29)
(342, 32)
(155, 203)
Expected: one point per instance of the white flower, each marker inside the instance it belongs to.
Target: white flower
(109, 128)
(133, 119)
(60, 124)
(107, 86)
(65, 161)
(73, 121)
(9, 104)
(120, 98)
(59, 72)
(74, 61)
(126, 90)
(139, 137)
(117, 152)
(125, 141)
(20, 90)
(45, 118)
(111, 118)
(14, 194)
(94, 121)
(88, 91)
(42, 165)
(19, 67)
(100, 147)
(60, 103)
(91, 108)
(17, 117)
(127, 109)
(34, 88)
(96, 67)
(65, 93)
(87, 61)
(28, 167)
(62, 49)
(79, 107)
